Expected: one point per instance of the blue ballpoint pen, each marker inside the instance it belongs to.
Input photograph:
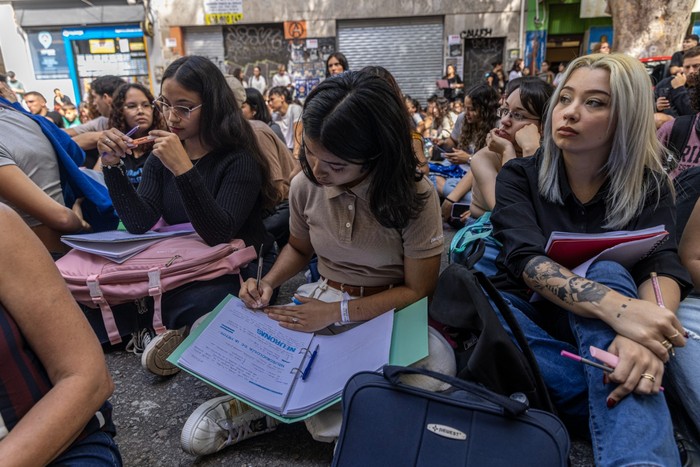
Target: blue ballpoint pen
(305, 374)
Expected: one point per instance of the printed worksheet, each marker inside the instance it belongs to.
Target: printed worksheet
(249, 354)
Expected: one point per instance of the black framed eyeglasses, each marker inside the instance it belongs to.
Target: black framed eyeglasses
(517, 116)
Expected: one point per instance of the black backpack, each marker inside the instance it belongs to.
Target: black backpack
(485, 353)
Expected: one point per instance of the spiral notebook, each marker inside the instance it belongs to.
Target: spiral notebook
(578, 251)
(251, 357)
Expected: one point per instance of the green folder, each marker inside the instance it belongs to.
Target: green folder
(409, 343)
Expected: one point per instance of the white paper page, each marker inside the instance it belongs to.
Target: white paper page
(249, 354)
(627, 254)
(556, 235)
(123, 236)
(117, 251)
(364, 348)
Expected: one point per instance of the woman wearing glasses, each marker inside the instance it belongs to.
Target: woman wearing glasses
(206, 170)
(132, 106)
(518, 135)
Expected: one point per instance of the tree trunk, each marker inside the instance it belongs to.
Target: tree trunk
(649, 28)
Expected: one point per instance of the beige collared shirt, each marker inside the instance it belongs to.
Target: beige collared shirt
(352, 246)
(278, 156)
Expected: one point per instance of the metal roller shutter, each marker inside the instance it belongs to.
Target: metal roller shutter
(410, 48)
(208, 42)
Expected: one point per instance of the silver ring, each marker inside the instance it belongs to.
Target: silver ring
(108, 141)
(295, 320)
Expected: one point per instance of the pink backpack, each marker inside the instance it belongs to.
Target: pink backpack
(98, 282)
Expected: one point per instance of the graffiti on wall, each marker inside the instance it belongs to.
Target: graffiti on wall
(260, 45)
(479, 54)
(264, 45)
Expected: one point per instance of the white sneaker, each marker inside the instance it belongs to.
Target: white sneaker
(139, 341)
(222, 422)
(154, 357)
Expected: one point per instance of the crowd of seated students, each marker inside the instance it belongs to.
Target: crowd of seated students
(466, 137)
(572, 162)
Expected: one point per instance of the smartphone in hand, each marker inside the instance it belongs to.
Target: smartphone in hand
(458, 209)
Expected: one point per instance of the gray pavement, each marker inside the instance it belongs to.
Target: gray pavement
(150, 411)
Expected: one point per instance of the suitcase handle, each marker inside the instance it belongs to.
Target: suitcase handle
(510, 407)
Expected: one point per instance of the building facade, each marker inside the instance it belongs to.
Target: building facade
(66, 43)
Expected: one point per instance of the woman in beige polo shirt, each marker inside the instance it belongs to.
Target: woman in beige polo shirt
(374, 224)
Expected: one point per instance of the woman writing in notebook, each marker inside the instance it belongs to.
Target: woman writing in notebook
(599, 169)
(206, 170)
(371, 219)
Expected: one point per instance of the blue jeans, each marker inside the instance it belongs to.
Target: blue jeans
(487, 263)
(684, 368)
(97, 449)
(638, 430)
(450, 184)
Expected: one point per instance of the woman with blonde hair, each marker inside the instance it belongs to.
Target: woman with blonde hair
(599, 170)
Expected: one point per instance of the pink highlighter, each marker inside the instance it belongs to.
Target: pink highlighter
(609, 360)
(606, 357)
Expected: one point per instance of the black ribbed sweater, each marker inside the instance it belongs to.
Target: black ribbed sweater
(220, 196)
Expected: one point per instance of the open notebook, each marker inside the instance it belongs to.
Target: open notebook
(249, 356)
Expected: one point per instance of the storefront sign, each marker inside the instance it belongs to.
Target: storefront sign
(48, 55)
(99, 51)
(223, 11)
(474, 33)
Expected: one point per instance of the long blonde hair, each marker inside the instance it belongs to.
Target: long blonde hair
(634, 165)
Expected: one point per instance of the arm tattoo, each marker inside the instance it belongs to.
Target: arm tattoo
(543, 274)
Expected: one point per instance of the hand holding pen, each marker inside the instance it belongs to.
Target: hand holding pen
(609, 362)
(256, 293)
(113, 145)
(667, 342)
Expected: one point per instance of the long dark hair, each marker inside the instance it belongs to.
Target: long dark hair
(485, 101)
(118, 120)
(256, 101)
(358, 117)
(221, 123)
(341, 59)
